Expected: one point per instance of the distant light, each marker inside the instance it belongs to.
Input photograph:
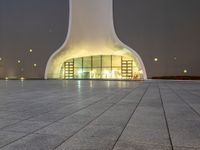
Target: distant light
(155, 59)
(22, 78)
(0, 59)
(18, 61)
(174, 58)
(30, 50)
(185, 71)
(34, 65)
(6, 78)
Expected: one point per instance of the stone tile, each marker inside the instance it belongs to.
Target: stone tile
(5, 122)
(186, 148)
(48, 117)
(185, 133)
(77, 118)
(60, 128)
(26, 126)
(146, 135)
(111, 120)
(73, 104)
(149, 121)
(139, 146)
(15, 115)
(69, 109)
(8, 137)
(93, 137)
(36, 142)
(183, 122)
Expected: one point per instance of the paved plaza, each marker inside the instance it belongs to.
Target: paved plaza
(99, 115)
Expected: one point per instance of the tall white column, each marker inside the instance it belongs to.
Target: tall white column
(91, 32)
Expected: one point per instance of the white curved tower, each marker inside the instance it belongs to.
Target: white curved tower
(92, 49)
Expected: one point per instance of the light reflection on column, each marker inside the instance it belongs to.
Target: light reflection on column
(108, 84)
(6, 82)
(79, 86)
(64, 83)
(119, 84)
(22, 82)
(91, 84)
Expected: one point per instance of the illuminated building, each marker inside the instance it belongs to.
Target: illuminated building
(92, 49)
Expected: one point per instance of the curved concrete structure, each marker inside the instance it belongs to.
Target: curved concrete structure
(91, 33)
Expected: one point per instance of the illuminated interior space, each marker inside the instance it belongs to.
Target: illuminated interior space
(100, 67)
(92, 49)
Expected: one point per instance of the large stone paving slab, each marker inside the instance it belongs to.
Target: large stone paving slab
(99, 115)
(9, 137)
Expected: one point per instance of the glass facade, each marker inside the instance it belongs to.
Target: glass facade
(99, 67)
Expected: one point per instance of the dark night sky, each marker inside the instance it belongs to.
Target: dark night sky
(154, 28)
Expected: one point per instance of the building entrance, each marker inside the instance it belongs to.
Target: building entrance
(100, 67)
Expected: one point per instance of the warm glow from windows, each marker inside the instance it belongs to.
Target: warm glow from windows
(101, 67)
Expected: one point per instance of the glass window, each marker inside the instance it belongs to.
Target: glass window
(116, 61)
(86, 73)
(78, 62)
(96, 73)
(116, 72)
(87, 62)
(96, 61)
(99, 67)
(106, 73)
(78, 73)
(106, 61)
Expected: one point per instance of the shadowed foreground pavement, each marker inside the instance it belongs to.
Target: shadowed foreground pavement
(99, 115)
